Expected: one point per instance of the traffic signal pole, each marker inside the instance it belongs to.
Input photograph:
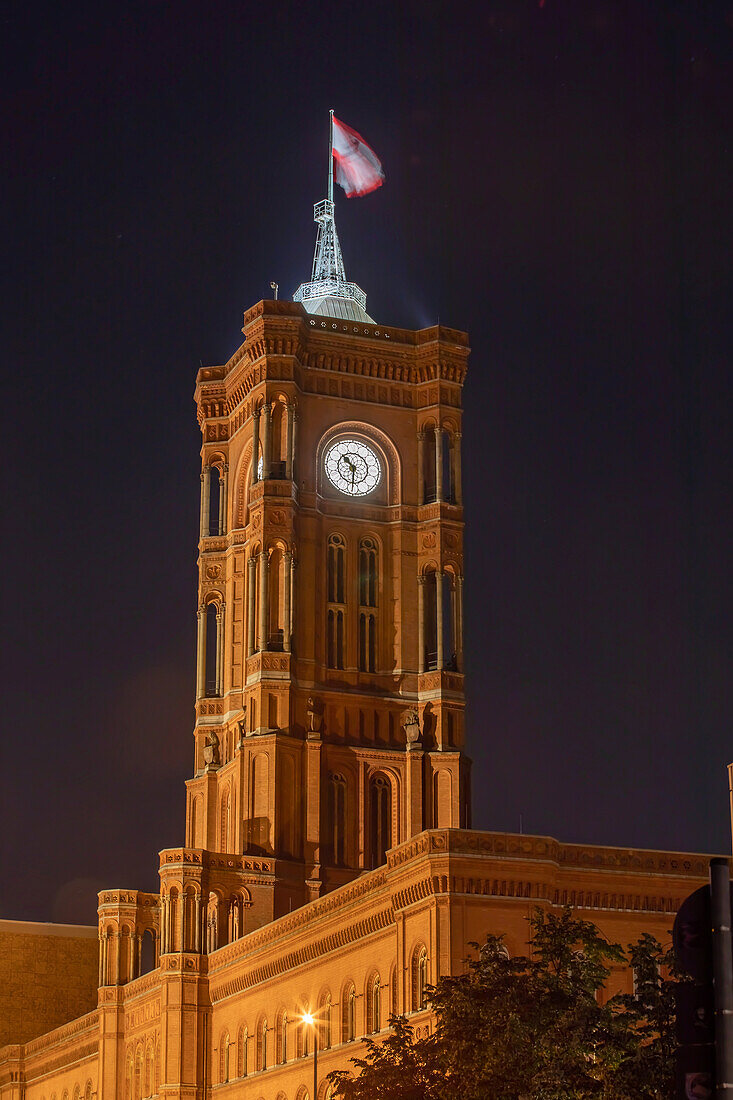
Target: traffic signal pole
(722, 977)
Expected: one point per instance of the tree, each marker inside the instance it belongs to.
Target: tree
(648, 1070)
(523, 1028)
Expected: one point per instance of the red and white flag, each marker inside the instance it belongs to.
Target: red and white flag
(358, 168)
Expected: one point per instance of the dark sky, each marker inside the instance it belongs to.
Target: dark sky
(559, 185)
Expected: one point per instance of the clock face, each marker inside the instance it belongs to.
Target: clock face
(352, 467)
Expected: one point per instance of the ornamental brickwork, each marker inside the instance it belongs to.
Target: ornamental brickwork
(328, 864)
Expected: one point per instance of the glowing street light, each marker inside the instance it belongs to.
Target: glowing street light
(310, 1021)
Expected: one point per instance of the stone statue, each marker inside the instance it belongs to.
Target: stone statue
(411, 726)
(314, 714)
(211, 750)
(242, 724)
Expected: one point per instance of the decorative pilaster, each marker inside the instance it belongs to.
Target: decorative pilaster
(459, 622)
(287, 583)
(201, 653)
(439, 578)
(220, 650)
(420, 468)
(223, 497)
(289, 442)
(264, 601)
(251, 582)
(421, 622)
(205, 501)
(266, 440)
(255, 445)
(439, 463)
(457, 483)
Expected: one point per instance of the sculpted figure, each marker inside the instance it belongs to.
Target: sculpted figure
(242, 724)
(211, 749)
(411, 726)
(314, 715)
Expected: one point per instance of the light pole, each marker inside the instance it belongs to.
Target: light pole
(311, 1022)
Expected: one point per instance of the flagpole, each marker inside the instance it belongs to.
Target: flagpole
(330, 156)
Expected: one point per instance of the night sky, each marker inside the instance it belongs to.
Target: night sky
(558, 183)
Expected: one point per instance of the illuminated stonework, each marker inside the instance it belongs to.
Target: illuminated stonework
(329, 865)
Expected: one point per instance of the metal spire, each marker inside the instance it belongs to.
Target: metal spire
(328, 280)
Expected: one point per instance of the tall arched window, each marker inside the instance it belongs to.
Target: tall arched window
(262, 1045)
(381, 819)
(368, 595)
(348, 1014)
(419, 978)
(324, 1018)
(149, 1069)
(337, 818)
(211, 658)
(374, 1005)
(224, 1057)
(242, 1052)
(281, 1038)
(336, 592)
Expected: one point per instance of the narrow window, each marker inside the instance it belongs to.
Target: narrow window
(212, 646)
(368, 593)
(335, 584)
(381, 820)
(337, 818)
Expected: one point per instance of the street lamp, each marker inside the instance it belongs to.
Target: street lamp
(310, 1021)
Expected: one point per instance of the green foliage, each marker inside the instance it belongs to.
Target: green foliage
(531, 1027)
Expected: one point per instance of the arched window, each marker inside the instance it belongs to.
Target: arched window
(138, 1087)
(374, 1005)
(242, 1052)
(225, 822)
(337, 818)
(324, 1020)
(419, 978)
(262, 1045)
(381, 819)
(224, 1057)
(149, 1070)
(77, 1092)
(336, 591)
(393, 992)
(281, 1038)
(212, 649)
(88, 1091)
(348, 1014)
(368, 595)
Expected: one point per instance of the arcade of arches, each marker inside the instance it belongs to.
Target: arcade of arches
(328, 868)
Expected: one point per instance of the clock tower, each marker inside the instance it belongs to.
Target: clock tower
(330, 701)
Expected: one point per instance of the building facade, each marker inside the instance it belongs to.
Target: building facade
(329, 866)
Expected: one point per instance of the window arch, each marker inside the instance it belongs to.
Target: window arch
(348, 1013)
(336, 593)
(149, 1069)
(374, 1005)
(281, 1038)
(242, 1052)
(261, 1062)
(419, 976)
(380, 807)
(224, 1057)
(324, 1023)
(77, 1092)
(337, 818)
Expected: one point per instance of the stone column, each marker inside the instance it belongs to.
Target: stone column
(251, 582)
(293, 567)
(205, 500)
(220, 650)
(439, 463)
(439, 617)
(420, 468)
(287, 582)
(264, 601)
(255, 445)
(266, 440)
(289, 443)
(223, 498)
(421, 622)
(103, 960)
(164, 924)
(459, 622)
(201, 654)
(197, 922)
(457, 484)
(295, 439)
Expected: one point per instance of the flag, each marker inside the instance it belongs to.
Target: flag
(358, 168)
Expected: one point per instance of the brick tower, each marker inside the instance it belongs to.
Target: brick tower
(330, 703)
